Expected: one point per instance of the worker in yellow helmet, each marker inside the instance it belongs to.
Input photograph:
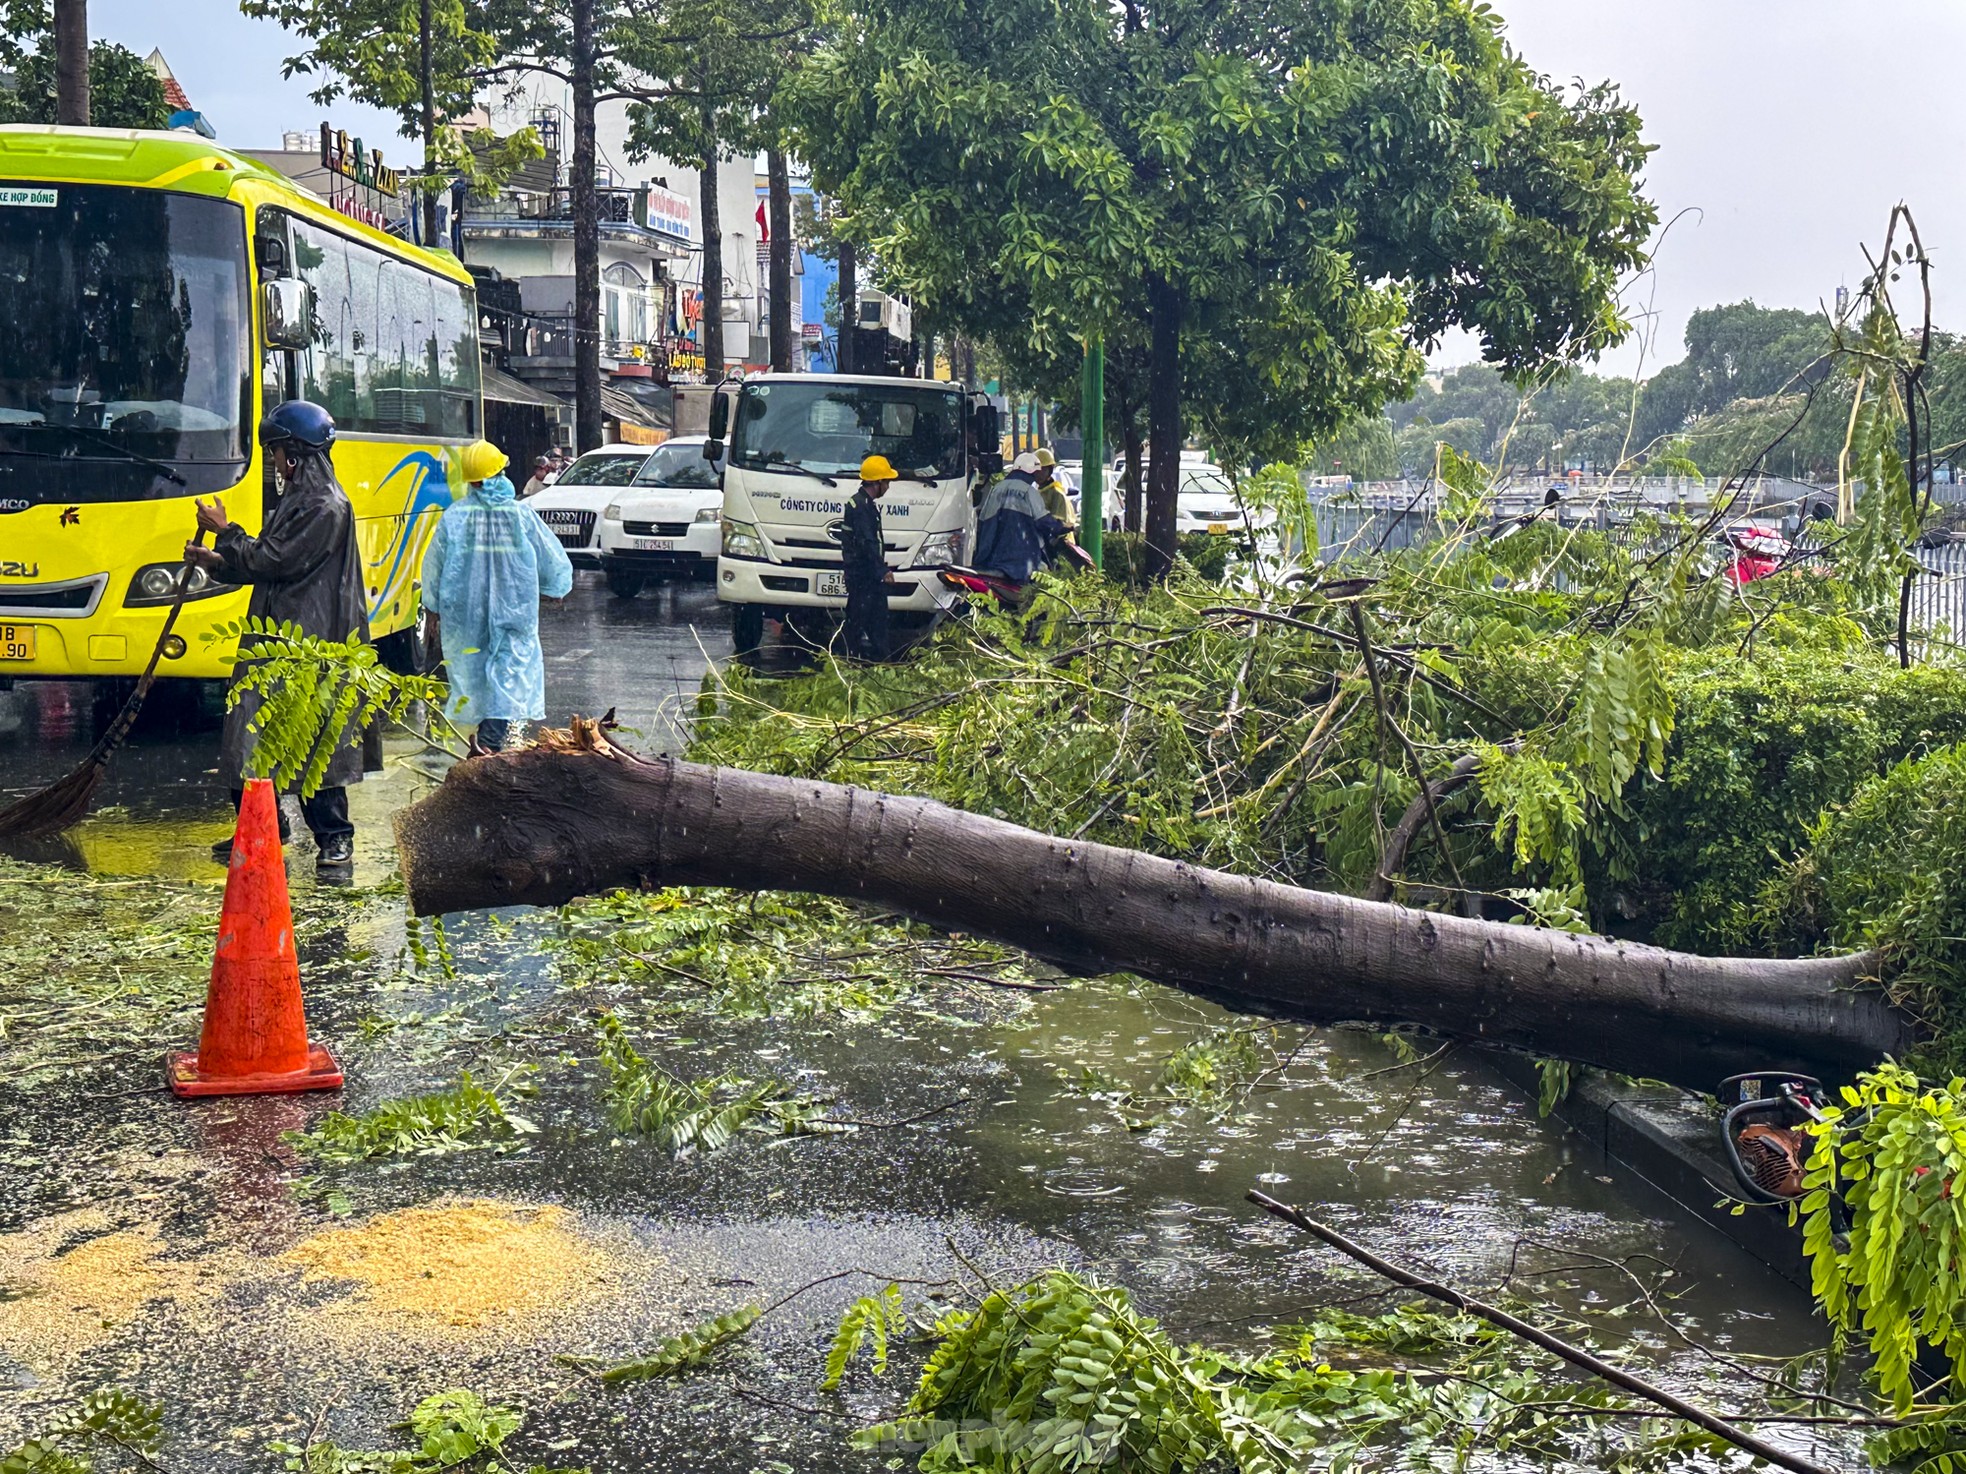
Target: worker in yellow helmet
(1052, 490)
(863, 553)
(490, 562)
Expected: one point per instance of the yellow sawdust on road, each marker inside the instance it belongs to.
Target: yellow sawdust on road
(70, 1282)
(466, 1265)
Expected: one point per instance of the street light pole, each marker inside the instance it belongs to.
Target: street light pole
(1092, 427)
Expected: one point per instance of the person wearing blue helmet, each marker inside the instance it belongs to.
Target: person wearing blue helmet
(303, 567)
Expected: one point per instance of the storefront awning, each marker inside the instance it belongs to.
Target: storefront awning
(508, 390)
(638, 421)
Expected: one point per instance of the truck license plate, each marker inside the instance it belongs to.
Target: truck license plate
(16, 641)
(1218, 529)
(654, 544)
(832, 585)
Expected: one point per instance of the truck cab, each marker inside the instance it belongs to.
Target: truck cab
(792, 459)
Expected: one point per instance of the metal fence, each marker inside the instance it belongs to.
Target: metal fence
(1358, 524)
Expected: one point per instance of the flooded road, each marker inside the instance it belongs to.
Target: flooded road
(184, 1251)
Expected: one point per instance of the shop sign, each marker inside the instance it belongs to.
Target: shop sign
(671, 214)
(348, 158)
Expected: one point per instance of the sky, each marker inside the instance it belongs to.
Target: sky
(1786, 130)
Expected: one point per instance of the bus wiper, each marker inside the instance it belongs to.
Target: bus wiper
(162, 468)
(771, 464)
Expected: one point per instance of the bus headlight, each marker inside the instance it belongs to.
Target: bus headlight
(741, 540)
(940, 549)
(156, 583)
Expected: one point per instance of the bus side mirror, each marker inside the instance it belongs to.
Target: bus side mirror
(286, 309)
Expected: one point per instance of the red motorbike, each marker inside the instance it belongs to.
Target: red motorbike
(986, 583)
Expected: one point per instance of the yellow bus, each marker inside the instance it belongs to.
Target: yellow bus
(158, 295)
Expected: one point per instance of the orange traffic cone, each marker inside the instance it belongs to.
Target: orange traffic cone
(255, 1036)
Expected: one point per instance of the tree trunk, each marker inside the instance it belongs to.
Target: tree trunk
(1136, 495)
(72, 62)
(713, 254)
(429, 122)
(780, 213)
(844, 358)
(1163, 424)
(588, 430)
(578, 816)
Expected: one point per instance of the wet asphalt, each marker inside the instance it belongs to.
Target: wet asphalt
(1009, 1172)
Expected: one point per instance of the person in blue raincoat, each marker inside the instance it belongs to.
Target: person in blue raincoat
(490, 562)
(1013, 526)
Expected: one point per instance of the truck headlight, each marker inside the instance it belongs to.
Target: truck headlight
(741, 540)
(939, 549)
(613, 512)
(156, 583)
(710, 514)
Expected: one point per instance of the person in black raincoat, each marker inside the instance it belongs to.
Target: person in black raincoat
(302, 567)
(863, 559)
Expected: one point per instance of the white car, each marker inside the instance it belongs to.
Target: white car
(572, 506)
(1205, 501)
(668, 522)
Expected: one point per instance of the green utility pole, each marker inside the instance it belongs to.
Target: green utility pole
(1092, 425)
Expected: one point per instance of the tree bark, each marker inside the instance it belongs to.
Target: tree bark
(780, 214)
(72, 62)
(429, 121)
(1136, 495)
(578, 816)
(587, 427)
(844, 358)
(1163, 424)
(713, 250)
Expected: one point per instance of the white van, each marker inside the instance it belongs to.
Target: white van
(793, 458)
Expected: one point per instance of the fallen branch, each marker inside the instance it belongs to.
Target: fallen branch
(1424, 809)
(579, 816)
(1575, 1355)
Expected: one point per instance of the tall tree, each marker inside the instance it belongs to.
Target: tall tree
(778, 175)
(711, 68)
(423, 63)
(1297, 195)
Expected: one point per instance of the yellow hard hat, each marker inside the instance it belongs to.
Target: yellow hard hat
(1045, 457)
(876, 468)
(482, 459)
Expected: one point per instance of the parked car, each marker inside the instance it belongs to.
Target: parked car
(667, 523)
(572, 506)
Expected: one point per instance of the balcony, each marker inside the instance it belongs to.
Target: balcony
(548, 214)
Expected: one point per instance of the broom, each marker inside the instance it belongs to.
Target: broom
(62, 803)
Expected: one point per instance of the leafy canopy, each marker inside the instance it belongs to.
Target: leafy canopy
(123, 91)
(1326, 185)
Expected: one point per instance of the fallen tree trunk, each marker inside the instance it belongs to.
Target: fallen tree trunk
(580, 816)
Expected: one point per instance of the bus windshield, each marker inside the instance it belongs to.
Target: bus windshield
(828, 429)
(125, 337)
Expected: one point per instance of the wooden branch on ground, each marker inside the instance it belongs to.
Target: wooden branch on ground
(1535, 1335)
(1424, 809)
(579, 816)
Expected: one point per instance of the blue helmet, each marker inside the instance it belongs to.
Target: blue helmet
(299, 424)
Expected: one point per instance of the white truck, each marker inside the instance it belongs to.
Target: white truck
(795, 444)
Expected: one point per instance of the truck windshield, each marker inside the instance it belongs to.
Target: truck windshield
(830, 429)
(125, 336)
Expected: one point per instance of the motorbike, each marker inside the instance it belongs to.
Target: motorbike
(1063, 554)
